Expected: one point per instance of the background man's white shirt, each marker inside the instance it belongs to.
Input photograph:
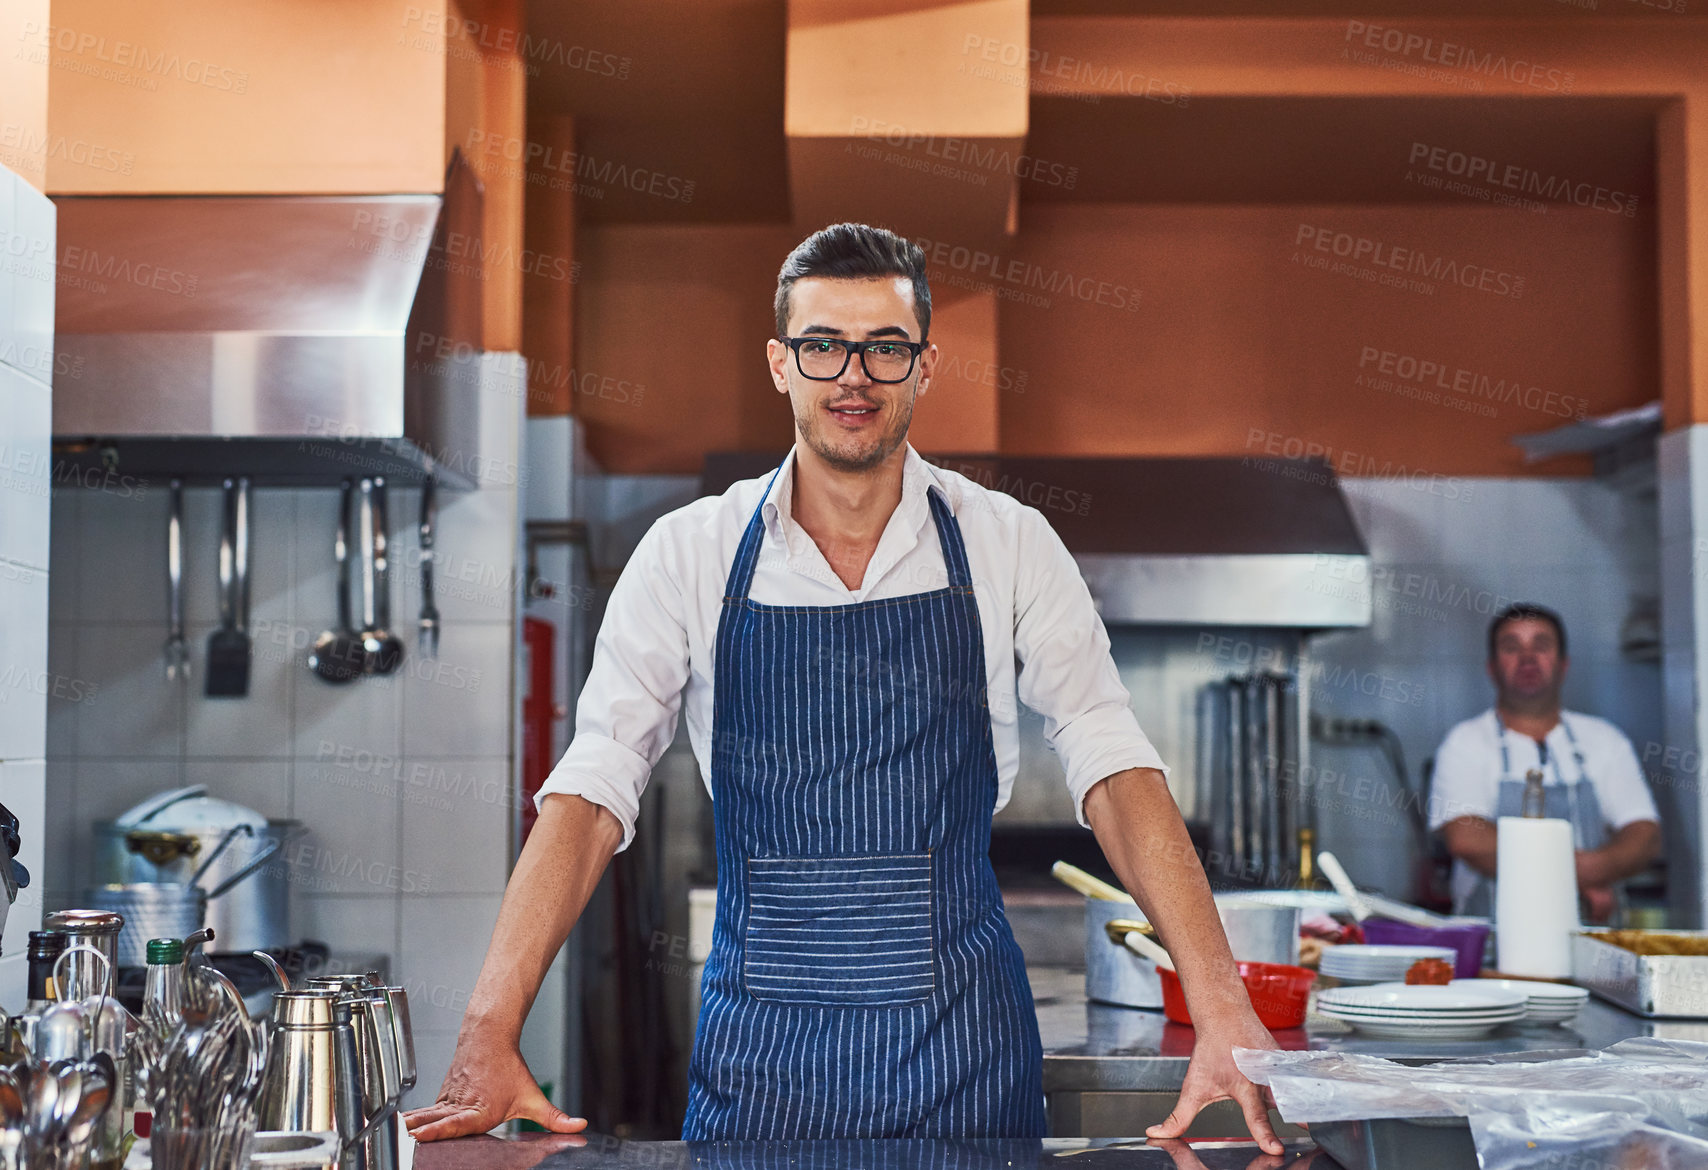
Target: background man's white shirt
(1468, 773)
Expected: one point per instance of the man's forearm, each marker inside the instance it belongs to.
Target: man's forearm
(1475, 841)
(1142, 835)
(571, 844)
(1627, 852)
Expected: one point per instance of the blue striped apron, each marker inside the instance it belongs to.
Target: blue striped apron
(1575, 801)
(863, 980)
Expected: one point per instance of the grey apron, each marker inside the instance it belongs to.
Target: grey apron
(1573, 801)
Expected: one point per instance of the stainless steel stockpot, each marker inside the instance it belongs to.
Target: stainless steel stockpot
(1257, 932)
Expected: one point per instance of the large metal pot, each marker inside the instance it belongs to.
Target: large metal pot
(150, 910)
(1257, 932)
(187, 837)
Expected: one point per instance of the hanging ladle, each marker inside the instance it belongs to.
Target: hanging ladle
(384, 648)
(338, 655)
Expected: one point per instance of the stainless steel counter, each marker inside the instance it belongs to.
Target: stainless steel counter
(598, 1152)
(1107, 1071)
(1091, 1047)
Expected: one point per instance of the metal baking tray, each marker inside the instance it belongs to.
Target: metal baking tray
(1398, 1143)
(1649, 985)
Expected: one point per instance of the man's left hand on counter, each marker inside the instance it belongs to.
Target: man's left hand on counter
(1141, 833)
(1212, 1076)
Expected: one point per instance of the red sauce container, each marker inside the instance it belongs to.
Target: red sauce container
(1278, 993)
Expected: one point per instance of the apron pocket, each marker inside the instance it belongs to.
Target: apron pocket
(840, 930)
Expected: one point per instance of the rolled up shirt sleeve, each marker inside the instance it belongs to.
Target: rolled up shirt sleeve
(1624, 795)
(626, 716)
(1066, 672)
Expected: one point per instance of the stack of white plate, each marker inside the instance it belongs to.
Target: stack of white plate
(1360, 964)
(1394, 1011)
(1548, 1003)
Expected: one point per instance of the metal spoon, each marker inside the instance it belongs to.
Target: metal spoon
(70, 1077)
(44, 1103)
(384, 647)
(338, 655)
(92, 1102)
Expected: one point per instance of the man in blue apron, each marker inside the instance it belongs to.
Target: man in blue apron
(841, 636)
(1590, 773)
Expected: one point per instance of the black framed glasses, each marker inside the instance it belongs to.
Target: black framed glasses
(824, 358)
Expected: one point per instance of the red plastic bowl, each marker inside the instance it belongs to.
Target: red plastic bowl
(1278, 993)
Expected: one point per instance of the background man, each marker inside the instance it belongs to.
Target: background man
(1590, 772)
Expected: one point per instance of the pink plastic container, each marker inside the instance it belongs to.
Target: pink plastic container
(1467, 942)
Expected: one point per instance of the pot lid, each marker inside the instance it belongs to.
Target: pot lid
(189, 810)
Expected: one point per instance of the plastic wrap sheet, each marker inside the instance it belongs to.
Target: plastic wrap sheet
(1639, 1103)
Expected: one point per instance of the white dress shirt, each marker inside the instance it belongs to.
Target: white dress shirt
(1467, 776)
(656, 643)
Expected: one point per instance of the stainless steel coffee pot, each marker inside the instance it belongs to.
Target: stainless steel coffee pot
(314, 1078)
(385, 1055)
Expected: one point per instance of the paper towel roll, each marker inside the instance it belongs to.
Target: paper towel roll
(1536, 896)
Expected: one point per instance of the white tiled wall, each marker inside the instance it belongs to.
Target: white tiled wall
(26, 397)
(403, 783)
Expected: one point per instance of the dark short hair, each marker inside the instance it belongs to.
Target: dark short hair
(854, 251)
(1527, 611)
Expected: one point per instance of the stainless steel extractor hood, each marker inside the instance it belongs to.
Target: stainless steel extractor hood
(293, 339)
(1222, 541)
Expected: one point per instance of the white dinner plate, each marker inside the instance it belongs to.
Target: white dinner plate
(1367, 978)
(1422, 997)
(1391, 1030)
(1376, 952)
(1423, 1022)
(1396, 960)
(1539, 994)
(1549, 1003)
(1511, 1013)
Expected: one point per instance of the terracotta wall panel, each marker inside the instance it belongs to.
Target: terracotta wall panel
(905, 63)
(1249, 335)
(485, 82)
(904, 112)
(961, 410)
(549, 283)
(670, 331)
(203, 96)
(24, 145)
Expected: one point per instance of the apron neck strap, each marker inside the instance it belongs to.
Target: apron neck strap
(747, 552)
(948, 538)
(1571, 738)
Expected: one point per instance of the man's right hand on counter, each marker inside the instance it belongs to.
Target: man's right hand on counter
(488, 1084)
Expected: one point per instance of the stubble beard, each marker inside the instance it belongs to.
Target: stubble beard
(1542, 699)
(809, 426)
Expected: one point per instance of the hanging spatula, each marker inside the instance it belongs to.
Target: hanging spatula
(228, 646)
(177, 649)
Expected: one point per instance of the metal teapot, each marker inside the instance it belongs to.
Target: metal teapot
(343, 1057)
